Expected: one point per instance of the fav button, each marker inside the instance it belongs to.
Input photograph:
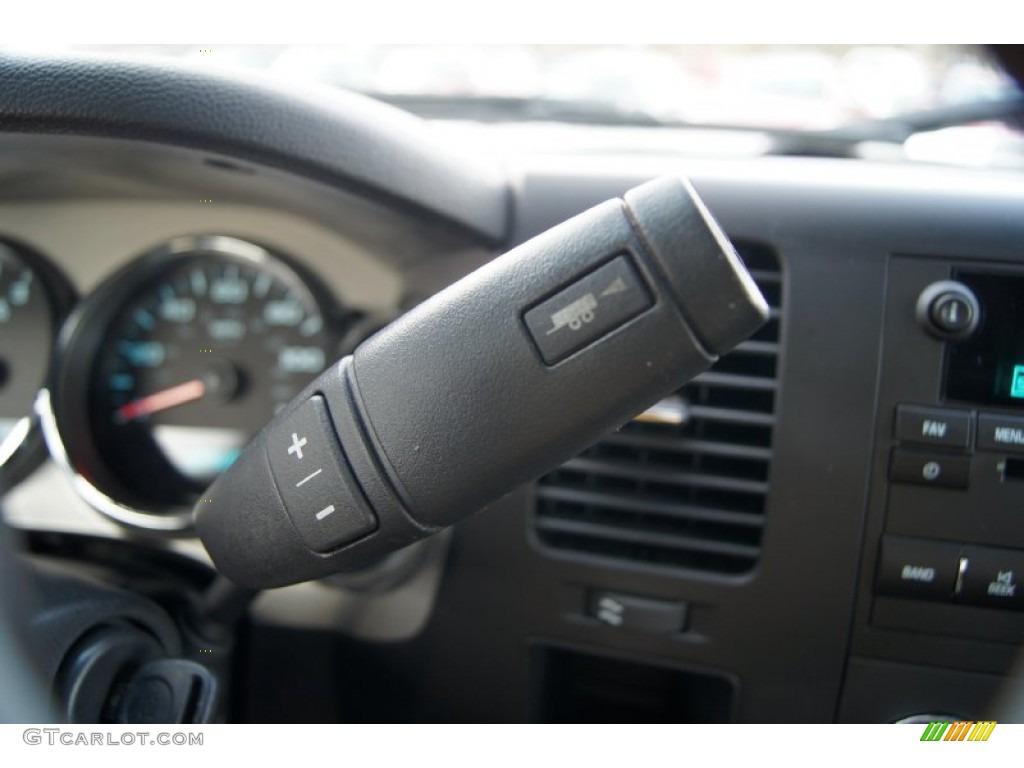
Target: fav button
(993, 578)
(933, 426)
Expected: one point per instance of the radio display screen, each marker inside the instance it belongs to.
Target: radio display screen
(988, 368)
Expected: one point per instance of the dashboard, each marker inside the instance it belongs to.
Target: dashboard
(823, 527)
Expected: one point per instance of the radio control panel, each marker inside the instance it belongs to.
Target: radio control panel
(946, 521)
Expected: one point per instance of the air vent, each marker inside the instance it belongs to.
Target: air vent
(686, 495)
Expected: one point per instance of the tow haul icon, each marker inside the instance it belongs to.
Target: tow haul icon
(575, 314)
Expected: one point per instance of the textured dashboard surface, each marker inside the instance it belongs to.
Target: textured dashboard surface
(781, 633)
(92, 239)
(337, 137)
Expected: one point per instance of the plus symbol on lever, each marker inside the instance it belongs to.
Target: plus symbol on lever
(297, 445)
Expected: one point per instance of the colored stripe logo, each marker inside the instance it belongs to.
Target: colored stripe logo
(959, 731)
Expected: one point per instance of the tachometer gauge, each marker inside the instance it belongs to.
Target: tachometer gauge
(175, 363)
(33, 297)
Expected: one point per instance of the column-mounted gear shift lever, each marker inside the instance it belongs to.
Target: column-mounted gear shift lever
(491, 383)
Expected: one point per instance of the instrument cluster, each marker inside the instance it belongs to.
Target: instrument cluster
(150, 386)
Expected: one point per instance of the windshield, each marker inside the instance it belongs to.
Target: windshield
(802, 87)
(948, 104)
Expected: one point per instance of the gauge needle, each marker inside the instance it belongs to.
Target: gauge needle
(161, 401)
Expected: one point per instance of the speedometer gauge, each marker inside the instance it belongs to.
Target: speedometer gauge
(184, 356)
(33, 296)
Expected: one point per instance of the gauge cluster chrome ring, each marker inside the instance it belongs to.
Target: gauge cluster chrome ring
(101, 502)
(22, 448)
(61, 408)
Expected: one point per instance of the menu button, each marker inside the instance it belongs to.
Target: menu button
(1000, 433)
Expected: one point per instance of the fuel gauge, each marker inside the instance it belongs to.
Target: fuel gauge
(33, 299)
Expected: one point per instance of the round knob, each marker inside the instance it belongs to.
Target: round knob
(924, 719)
(948, 310)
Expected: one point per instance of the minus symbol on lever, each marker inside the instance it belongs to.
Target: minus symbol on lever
(307, 478)
(325, 512)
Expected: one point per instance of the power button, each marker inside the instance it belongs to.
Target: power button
(948, 310)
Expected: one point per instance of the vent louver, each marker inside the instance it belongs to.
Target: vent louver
(689, 495)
